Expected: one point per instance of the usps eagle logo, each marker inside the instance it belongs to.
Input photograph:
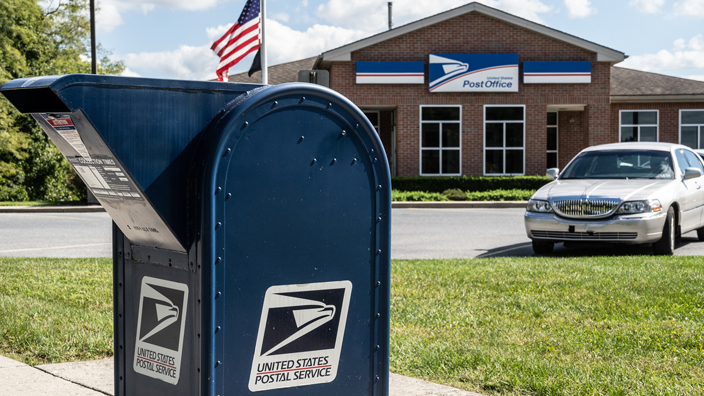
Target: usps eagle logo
(160, 329)
(473, 73)
(300, 335)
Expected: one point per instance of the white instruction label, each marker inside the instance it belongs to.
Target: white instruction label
(63, 125)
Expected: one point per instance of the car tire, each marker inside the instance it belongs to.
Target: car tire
(666, 245)
(700, 234)
(543, 247)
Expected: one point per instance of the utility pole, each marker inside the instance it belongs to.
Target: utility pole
(93, 55)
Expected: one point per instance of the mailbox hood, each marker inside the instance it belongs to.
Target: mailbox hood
(131, 140)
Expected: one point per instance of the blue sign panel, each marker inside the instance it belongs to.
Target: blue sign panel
(390, 72)
(473, 73)
(557, 72)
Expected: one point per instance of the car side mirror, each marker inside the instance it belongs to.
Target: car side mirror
(552, 173)
(692, 173)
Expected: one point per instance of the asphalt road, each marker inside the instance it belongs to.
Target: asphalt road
(55, 235)
(467, 233)
(416, 233)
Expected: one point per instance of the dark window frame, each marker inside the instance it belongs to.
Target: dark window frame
(621, 125)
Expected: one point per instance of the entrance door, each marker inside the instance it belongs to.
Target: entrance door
(392, 156)
(384, 122)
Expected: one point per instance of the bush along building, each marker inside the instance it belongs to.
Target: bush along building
(477, 91)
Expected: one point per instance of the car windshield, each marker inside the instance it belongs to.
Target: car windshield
(621, 164)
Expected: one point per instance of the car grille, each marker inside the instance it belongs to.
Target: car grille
(585, 207)
(585, 236)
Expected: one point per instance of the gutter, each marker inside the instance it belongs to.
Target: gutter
(657, 98)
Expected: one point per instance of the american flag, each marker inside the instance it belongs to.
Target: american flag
(241, 39)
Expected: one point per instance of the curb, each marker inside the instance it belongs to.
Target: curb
(459, 204)
(394, 205)
(52, 209)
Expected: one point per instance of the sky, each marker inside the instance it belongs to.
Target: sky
(172, 38)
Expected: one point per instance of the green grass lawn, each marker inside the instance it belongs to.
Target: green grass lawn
(54, 310)
(552, 326)
(29, 203)
(507, 326)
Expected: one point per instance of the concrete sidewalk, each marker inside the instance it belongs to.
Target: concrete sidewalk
(95, 378)
(395, 205)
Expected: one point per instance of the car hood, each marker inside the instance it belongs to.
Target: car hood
(625, 190)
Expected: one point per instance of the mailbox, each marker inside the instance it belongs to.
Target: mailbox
(251, 236)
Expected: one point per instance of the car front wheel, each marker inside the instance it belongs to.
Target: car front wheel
(666, 245)
(700, 234)
(543, 247)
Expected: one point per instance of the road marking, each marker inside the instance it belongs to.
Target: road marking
(55, 247)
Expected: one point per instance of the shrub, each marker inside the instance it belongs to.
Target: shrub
(416, 196)
(455, 194)
(12, 183)
(467, 183)
(500, 195)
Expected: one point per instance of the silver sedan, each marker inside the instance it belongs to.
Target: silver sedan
(622, 193)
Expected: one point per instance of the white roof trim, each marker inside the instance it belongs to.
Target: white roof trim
(343, 53)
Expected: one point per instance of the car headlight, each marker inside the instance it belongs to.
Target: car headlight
(537, 205)
(630, 207)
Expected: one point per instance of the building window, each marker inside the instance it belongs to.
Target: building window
(373, 117)
(639, 126)
(552, 140)
(504, 140)
(440, 140)
(692, 128)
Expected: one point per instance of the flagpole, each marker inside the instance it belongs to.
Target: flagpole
(265, 74)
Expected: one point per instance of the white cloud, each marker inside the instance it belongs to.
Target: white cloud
(199, 63)
(695, 43)
(580, 8)
(686, 54)
(647, 6)
(287, 44)
(690, 8)
(280, 16)
(666, 60)
(699, 77)
(186, 62)
(371, 16)
(129, 73)
(217, 32)
(109, 15)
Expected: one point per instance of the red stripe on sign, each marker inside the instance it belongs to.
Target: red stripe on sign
(60, 122)
(154, 361)
(297, 369)
(557, 75)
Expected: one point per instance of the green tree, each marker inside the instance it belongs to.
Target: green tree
(37, 42)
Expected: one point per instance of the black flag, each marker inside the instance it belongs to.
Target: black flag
(256, 63)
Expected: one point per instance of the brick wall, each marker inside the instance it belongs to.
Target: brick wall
(669, 121)
(478, 33)
(571, 136)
